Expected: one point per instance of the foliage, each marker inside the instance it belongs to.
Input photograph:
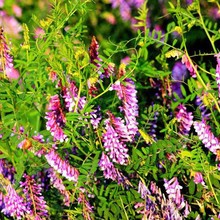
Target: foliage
(102, 113)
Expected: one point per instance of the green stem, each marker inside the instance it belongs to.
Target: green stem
(123, 208)
(205, 29)
(213, 191)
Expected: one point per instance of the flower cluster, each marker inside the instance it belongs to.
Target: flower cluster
(198, 178)
(6, 62)
(119, 127)
(218, 72)
(57, 182)
(13, 204)
(126, 7)
(87, 208)
(109, 70)
(55, 119)
(34, 199)
(174, 194)
(185, 119)
(107, 167)
(61, 166)
(128, 95)
(93, 52)
(179, 74)
(96, 117)
(10, 24)
(157, 206)
(153, 126)
(206, 136)
(71, 99)
(186, 61)
(109, 170)
(116, 149)
(204, 110)
(7, 170)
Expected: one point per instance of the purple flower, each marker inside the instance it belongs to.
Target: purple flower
(10, 24)
(204, 110)
(125, 11)
(153, 126)
(108, 71)
(55, 119)
(218, 72)
(185, 119)
(107, 167)
(126, 7)
(157, 206)
(143, 190)
(206, 136)
(128, 95)
(173, 190)
(71, 98)
(119, 127)
(1, 3)
(186, 61)
(39, 138)
(35, 201)
(7, 170)
(179, 74)
(57, 182)
(61, 166)
(110, 172)
(198, 178)
(6, 62)
(116, 150)
(96, 117)
(94, 54)
(14, 204)
(87, 208)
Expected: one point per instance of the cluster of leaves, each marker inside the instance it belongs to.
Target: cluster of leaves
(63, 48)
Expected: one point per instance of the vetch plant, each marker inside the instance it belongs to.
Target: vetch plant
(109, 110)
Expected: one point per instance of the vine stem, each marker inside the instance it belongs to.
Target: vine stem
(205, 29)
(126, 215)
(201, 80)
(213, 191)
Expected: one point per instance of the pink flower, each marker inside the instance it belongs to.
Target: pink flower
(35, 201)
(70, 96)
(1, 3)
(14, 204)
(189, 66)
(62, 166)
(110, 172)
(12, 73)
(198, 178)
(128, 95)
(7, 59)
(173, 190)
(120, 128)
(206, 136)
(57, 182)
(115, 149)
(107, 167)
(185, 119)
(10, 24)
(17, 10)
(55, 119)
(39, 33)
(87, 208)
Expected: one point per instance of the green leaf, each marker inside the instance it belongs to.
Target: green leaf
(192, 187)
(183, 90)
